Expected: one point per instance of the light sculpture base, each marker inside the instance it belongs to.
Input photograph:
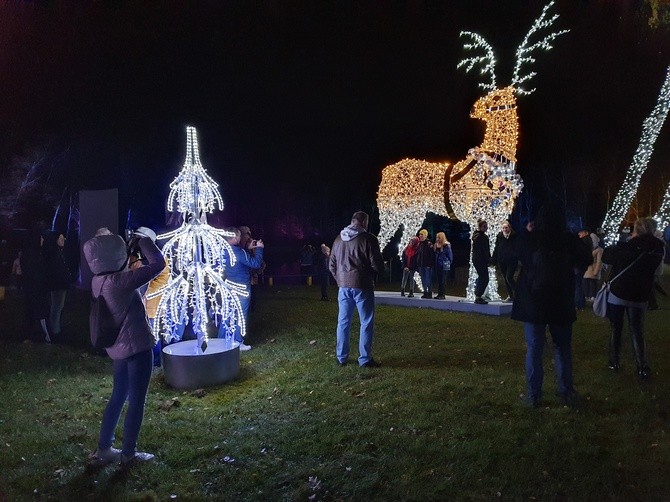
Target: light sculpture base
(185, 366)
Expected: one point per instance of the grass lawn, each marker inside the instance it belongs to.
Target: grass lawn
(441, 420)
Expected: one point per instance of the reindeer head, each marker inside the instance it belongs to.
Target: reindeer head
(498, 107)
(495, 102)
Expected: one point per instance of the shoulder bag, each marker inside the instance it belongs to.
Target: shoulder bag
(600, 300)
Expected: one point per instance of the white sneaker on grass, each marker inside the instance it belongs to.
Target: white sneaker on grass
(139, 456)
(103, 457)
(243, 347)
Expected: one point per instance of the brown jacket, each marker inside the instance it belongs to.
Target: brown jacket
(355, 259)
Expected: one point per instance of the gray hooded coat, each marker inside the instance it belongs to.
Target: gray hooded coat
(120, 289)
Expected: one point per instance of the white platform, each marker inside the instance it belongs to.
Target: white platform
(451, 303)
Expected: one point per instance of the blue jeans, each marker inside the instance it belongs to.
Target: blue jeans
(131, 382)
(245, 302)
(56, 310)
(426, 274)
(364, 301)
(562, 343)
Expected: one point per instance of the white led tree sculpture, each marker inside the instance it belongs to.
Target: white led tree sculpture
(484, 185)
(650, 131)
(197, 255)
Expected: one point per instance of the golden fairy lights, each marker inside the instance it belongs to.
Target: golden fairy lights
(483, 185)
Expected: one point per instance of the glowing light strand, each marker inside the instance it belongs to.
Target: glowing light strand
(197, 255)
(650, 130)
(662, 216)
(487, 61)
(524, 51)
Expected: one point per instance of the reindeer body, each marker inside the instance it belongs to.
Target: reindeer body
(483, 185)
(411, 188)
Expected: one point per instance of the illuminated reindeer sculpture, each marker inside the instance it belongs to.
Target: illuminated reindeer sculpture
(483, 185)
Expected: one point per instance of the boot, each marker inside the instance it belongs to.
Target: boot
(402, 292)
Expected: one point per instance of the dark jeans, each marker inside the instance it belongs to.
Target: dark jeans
(426, 274)
(482, 279)
(561, 336)
(580, 300)
(635, 326)
(590, 287)
(441, 281)
(131, 382)
(508, 270)
(325, 282)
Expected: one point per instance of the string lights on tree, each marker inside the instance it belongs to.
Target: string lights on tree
(197, 255)
(662, 216)
(483, 185)
(650, 131)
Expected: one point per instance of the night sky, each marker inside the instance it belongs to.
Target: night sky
(300, 105)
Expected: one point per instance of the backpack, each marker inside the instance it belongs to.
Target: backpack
(103, 327)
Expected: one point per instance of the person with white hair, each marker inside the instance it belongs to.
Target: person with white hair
(635, 262)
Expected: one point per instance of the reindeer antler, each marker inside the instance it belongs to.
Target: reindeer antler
(524, 51)
(488, 61)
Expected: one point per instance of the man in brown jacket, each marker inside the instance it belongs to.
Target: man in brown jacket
(355, 262)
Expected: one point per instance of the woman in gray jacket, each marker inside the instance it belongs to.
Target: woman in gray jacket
(132, 352)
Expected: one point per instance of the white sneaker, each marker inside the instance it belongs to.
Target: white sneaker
(140, 456)
(244, 348)
(104, 457)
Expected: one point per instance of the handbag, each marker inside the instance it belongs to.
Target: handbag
(600, 300)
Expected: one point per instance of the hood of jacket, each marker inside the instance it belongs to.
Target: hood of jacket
(105, 253)
(351, 232)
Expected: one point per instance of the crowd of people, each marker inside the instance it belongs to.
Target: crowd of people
(549, 274)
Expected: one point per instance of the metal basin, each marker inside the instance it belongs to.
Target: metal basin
(185, 366)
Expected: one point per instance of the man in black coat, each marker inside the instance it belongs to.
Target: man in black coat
(504, 256)
(481, 257)
(545, 297)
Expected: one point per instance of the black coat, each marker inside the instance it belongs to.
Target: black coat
(425, 256)
(545, 291)
(635, 284)
(57, 271)
(504, 252)
(481, 250)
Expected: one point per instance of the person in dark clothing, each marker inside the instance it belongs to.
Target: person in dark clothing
(58, 279)
(481, 257)
(545, 297)
(324, 273)
(425, 261)
(36, 292)
(580, 298)
(629, 294)
(504, 256)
